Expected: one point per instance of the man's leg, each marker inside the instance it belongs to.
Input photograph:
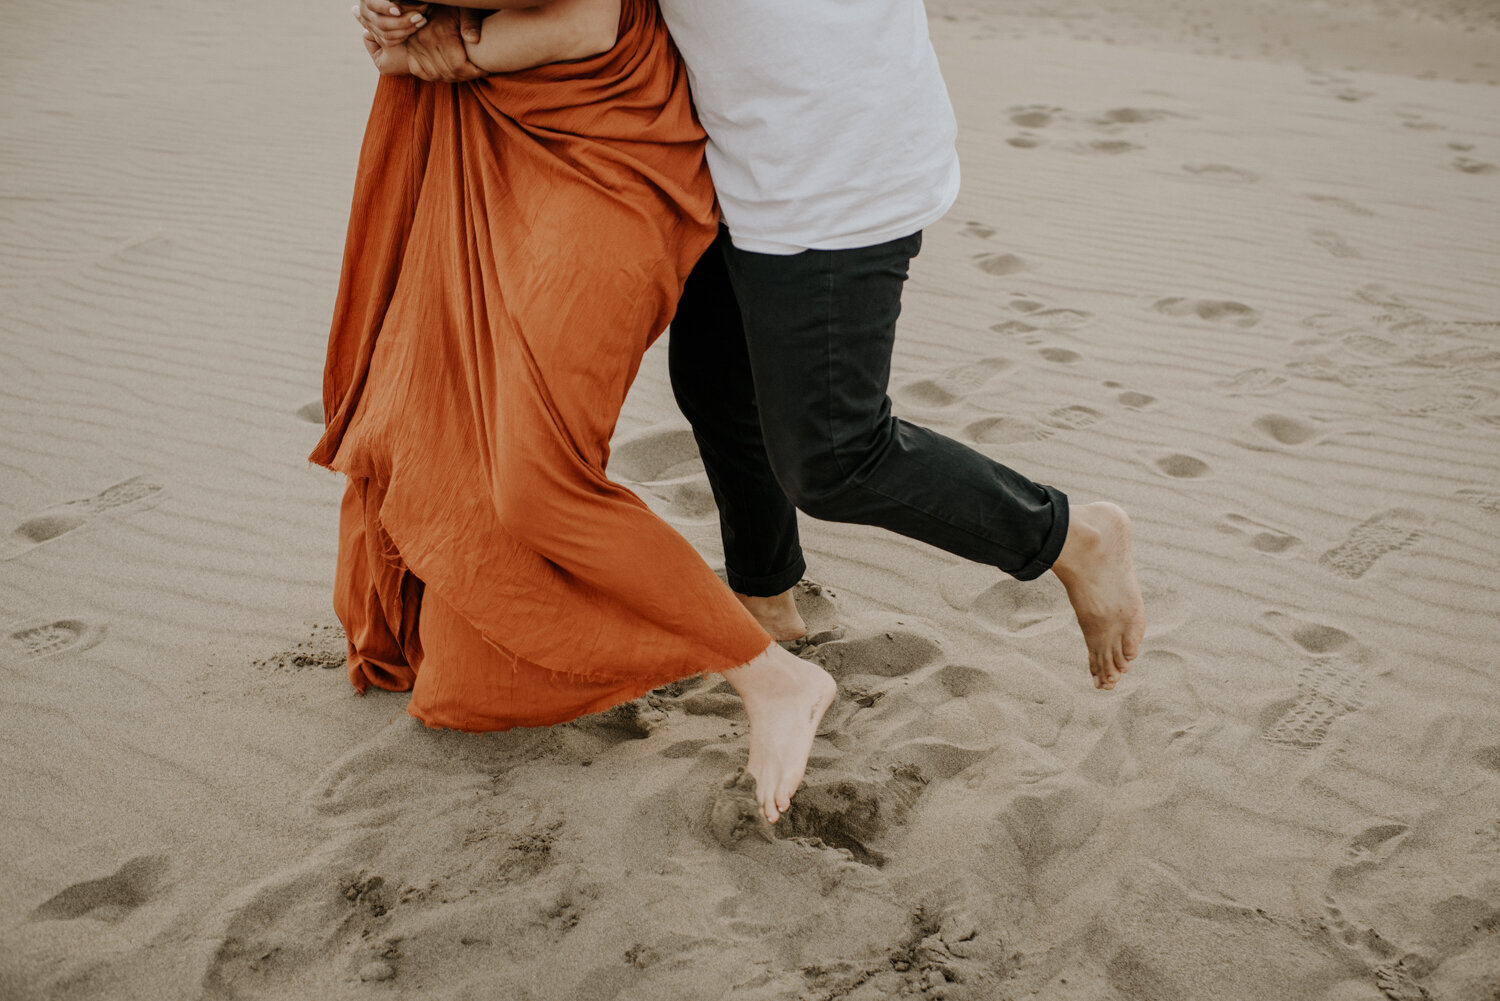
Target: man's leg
(820, 328)
(711, 379)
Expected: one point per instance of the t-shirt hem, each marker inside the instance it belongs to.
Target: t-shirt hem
(864, 238)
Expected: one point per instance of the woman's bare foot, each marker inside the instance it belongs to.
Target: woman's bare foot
(785, 698)
(1095, 566)
(777, 615)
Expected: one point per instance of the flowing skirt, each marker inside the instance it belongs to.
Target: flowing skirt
(515, 245)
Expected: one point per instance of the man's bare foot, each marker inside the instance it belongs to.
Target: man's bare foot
(1095, 566)
(777, 615)
(785, 698)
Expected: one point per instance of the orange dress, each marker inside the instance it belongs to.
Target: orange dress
(514, 247)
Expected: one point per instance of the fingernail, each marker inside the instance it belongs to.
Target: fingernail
(395, 11)
(418, 20)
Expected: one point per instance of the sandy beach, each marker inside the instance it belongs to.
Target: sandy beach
(1235, 267)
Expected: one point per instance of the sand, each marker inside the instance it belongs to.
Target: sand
(1231, 266)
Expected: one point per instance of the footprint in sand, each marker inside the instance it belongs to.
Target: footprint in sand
(1033, 116)
(1352, 207)
(1252, 382)
(1263, 538)
(110, 899)
(1025, 140)
(664, 463)
(1469, 166)
(1130, 399)
(1056, 814)
(852, 813)
(1213, 310)
(1006, 605)
(1448, 404)
(1107, 147)
(61, 519)
(977, 230)
(1382, 533)
(1180, 466)
(1332, 242)
(999, 264)
(1073, 418)
(1039, 319)
(52, 638)
(1485, 500)
(311, 412)
(1006, 430)
(1330, 681)
(1221, 172)
(1133, 116)
(882, 650)
(1283, 431)
(1060, 356)
(953, 385)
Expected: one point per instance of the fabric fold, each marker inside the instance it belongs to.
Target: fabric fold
(514, 247)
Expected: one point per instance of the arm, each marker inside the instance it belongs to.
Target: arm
(518, 38)
(393, 23)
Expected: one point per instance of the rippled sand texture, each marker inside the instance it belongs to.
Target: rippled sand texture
(1231, 267)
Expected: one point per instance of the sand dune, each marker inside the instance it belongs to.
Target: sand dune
(1231, 267)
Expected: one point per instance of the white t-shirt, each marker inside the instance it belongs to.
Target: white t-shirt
(828, 121)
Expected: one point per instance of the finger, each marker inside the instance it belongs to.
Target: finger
(469, 21)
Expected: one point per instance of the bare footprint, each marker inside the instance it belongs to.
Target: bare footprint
(1469, 166)
(885, 650)
(999, 264)
(1373, 538)
(1180, 466)
(1108, 147)
(1332, 242)
(1033, 116)
(1060, 356)
(1003, 604)
(977, 230)
(1284, 430)
(1132, 400)
(1263, 538)
(1133, 116)
(1352, 207)
(1221, 172)
(110, 899)
(311, 412)
(1214, 310)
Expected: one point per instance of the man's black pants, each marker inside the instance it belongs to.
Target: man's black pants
(781, 365)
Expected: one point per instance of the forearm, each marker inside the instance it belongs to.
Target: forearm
(494, 4)
(520, 38)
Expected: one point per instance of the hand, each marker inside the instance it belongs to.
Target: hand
(437, 51)
(390, 23)
(390, 60)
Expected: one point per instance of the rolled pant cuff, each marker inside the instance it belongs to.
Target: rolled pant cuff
(769, 586)
(1055, 538)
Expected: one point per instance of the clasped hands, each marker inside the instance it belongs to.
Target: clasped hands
(422, 40)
